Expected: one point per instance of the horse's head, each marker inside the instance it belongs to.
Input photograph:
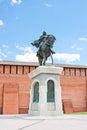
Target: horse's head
(36, 43)
(51, 40)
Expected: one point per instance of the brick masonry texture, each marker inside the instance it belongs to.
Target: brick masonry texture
(15, 88)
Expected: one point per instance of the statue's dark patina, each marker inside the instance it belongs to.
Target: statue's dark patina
(45, 44)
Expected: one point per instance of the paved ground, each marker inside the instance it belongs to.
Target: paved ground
(24, 122)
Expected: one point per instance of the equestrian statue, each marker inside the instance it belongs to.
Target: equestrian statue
(45, 45)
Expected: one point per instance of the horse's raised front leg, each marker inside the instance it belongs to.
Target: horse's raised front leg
(52, 58)
(40, 60)
(44, 59)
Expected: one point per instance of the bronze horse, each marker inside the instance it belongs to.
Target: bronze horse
(44, 50)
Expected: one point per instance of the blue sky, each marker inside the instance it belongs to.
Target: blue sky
(23, 21)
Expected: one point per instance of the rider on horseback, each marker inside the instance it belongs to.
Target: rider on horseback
(43, 38)
(45, 44)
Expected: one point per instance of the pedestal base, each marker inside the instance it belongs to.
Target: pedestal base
(45, 96)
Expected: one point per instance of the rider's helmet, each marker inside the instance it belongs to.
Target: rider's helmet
(44, 33)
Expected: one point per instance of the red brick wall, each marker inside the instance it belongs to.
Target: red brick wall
(14, 74)
(74, 89)
(1, 97)
(73, 83)
(10, 98)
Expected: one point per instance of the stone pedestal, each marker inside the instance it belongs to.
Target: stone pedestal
(45, 94)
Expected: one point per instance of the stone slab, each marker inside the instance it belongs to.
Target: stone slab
(45, 70)
(24, 122)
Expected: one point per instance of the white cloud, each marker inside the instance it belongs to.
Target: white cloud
(79, 49)
(82, 39)
(25, 49)
(73, 46)
(5, 46)
(1, 23)
(30, 56)
(2, 54)
(48, 5)
(16, 2)
(27, 57)
(68, 58)
(76, 48)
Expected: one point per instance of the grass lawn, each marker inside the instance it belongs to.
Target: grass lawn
(80, 113)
